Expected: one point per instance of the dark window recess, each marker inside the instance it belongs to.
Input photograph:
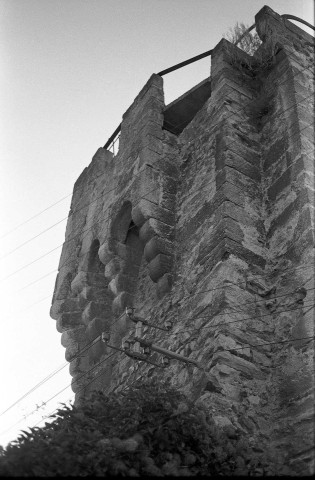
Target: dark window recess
(178, 114)
(94, 263)
(132, 233)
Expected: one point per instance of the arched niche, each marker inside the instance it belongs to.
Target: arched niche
(129, 249)
(93, 262)
(121, 223)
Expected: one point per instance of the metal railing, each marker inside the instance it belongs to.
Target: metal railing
(285, 16)
(110, 144)
(113, 139)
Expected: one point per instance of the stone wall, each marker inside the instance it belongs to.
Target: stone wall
(212, 229)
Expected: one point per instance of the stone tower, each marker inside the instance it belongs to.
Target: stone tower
(205, 218)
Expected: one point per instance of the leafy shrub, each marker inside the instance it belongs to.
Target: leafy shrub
(249, 43)
(152, 430)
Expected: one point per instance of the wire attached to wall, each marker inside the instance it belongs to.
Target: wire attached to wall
(135, 175)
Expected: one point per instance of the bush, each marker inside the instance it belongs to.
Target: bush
(152, 430)
(249, 43)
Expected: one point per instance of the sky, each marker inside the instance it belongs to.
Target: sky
(69, 69)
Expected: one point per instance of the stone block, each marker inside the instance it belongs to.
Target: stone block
(247, 369)
(72, 351)
(86, 279)
(153, 88)
(107, 250)
(284, 181)
(65, 339)
(222, 421)
(97, 350)
(69, 320)
(228, 191)
(78, 383)
(146, 185)
(168, 201)
(275, 151)
(146, 210)
(94, 294)
(151, 141)
(63, 283)
(164, 285)
(226, 228)
(168, 184)
(61, 306)
(305, 222)
(123, 283)
(113, 267)
(160, 265)
(157, 245)
(166, 166)
(122, 301)
(96, 326)
(152, 128)
(226, 247)
(76, 334)
(73, 336)
(242, 216)
(199, 216)
(246, 168)
(93, 310)
(247, 187)
(153, 227)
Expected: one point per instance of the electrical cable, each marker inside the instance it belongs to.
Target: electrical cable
(56, 409)
(80, 352)
(84, 206)
(87, 231)
(77, 355)
(199, 292)
(228, 283)
(304, 99)
(55, 395)
(97, 365)
(34, 216)
(50, 206)
(201, 366)
(234, 311)
(34, 388)
(33, 238)
(22, 310)
(179, 284)
(68, 240)
(223, 324)
(49, 228)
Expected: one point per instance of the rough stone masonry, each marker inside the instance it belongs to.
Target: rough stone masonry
(205, 217)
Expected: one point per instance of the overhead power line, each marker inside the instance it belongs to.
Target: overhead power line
(34, 216)
(310, 337)
(49, 207)
(52, 374)
(56, 394)
(92, 342)
(103, 194)
(68, 240)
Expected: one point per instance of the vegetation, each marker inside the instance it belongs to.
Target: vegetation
(249, 43)
(152, 430)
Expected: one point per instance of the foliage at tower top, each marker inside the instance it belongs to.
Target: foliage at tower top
(249, 43)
